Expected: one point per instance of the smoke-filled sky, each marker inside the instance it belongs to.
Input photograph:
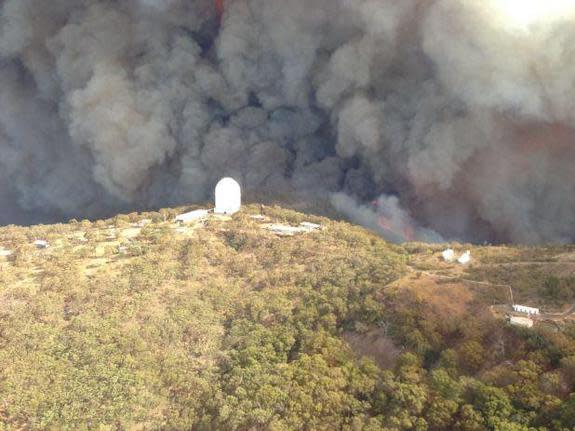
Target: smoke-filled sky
(423, 119)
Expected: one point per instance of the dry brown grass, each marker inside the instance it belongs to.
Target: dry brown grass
(447, 297)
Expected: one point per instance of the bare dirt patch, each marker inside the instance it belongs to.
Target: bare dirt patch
(374, 345)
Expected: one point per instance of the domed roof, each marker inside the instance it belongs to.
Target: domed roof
(228, 183)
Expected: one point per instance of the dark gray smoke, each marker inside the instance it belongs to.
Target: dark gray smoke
(419, 118)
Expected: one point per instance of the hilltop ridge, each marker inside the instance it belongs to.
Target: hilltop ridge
(139, 322)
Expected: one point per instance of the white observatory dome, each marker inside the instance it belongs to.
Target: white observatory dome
(228, 196)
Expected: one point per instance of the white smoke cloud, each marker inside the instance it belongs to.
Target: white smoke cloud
(446, 116)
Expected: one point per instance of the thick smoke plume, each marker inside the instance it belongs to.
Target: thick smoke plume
(419, 118)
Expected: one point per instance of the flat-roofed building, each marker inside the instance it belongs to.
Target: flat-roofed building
(524, 322)
(527, 310)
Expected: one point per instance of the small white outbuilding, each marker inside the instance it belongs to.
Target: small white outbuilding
(228, 196)
(448, 255)
(310, 226)
(41, 244)
(192, 216)
(5, 252)
(286, 230)
(465, 258)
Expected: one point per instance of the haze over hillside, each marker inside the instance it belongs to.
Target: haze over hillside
(257, 322)
(430, 118)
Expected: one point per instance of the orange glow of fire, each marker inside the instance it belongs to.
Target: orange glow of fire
(384, 223)
(554, 140)
(404, 230)
(408, 233)
(219, 5)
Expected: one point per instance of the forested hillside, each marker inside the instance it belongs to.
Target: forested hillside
(137, 323)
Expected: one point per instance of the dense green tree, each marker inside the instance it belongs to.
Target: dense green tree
(471, 356)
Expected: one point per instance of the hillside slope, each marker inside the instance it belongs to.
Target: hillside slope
(139, 323)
